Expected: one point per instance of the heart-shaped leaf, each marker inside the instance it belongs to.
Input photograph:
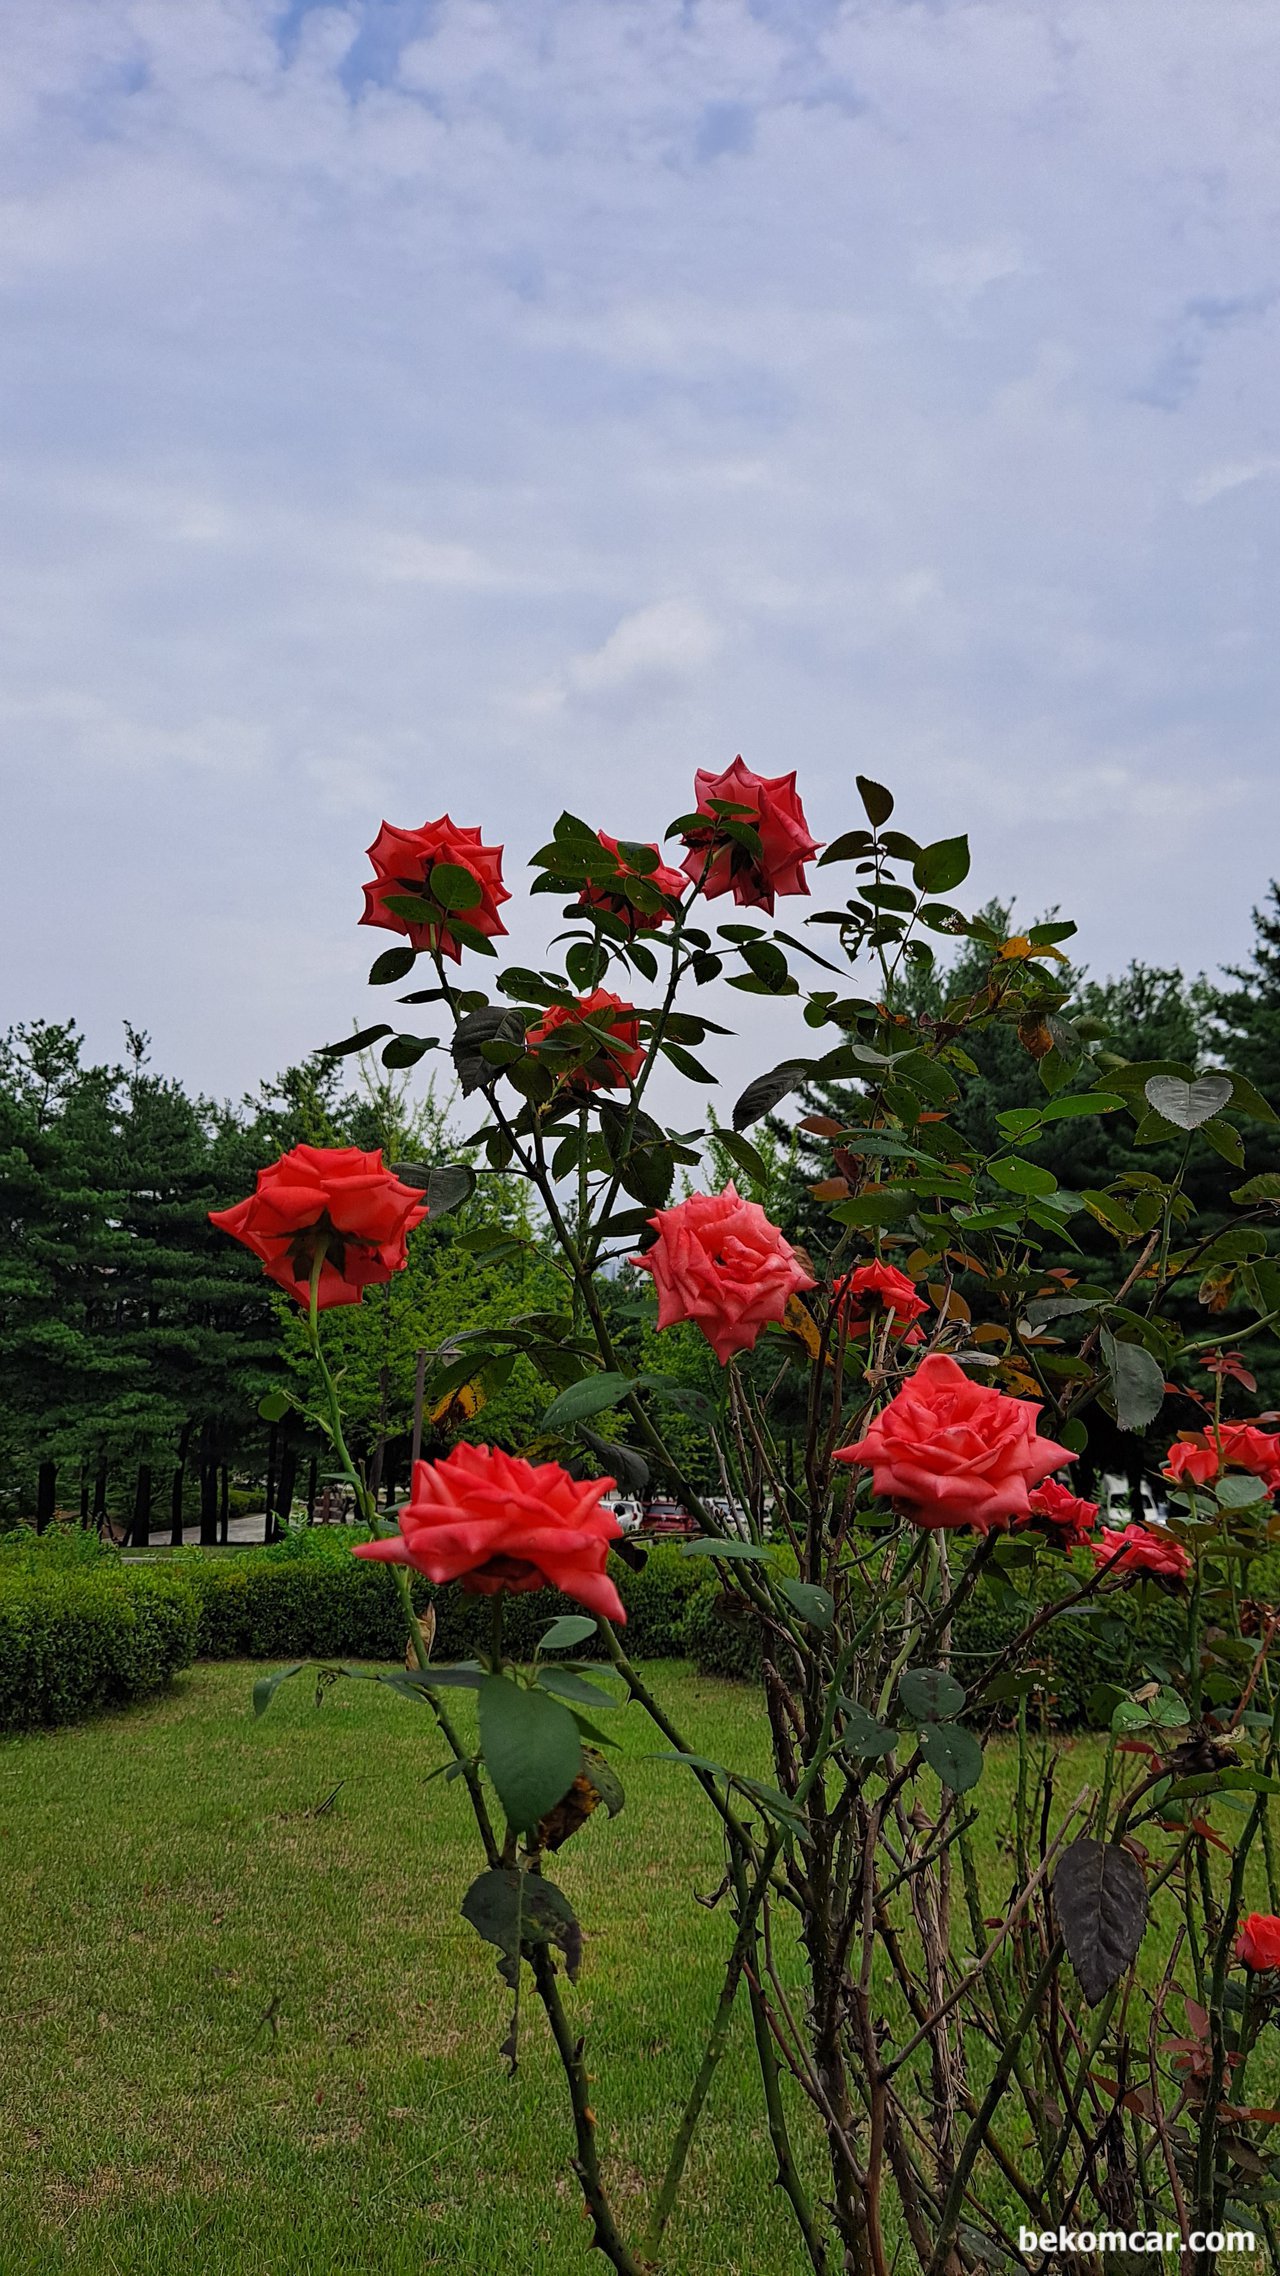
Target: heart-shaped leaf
(1187, 1105)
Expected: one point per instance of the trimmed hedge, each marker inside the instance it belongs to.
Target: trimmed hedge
(76, 1640)
(309, 1598)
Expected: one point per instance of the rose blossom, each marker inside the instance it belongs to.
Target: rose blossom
(404, 860)
(1258, 1944)
(720, 1262)
(672, 882)
(496, 1522)
(1139, 1549)
(864, 1296)
(1202, 1456)
(611, 1064)
(719, 864)
(953, 1452)
(1065, 1517)
(330, 1194)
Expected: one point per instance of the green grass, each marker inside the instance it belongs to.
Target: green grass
(244, 2039)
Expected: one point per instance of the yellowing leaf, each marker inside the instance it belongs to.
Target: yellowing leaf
(800, 1323)
(460, 1406)
(1011, 950)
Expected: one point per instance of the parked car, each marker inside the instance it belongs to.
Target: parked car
(629, 1512)
(666, 1517)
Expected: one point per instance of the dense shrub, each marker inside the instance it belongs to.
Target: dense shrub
(309, 1598)
(79, 1636)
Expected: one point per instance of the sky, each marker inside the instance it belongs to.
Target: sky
(425, 404)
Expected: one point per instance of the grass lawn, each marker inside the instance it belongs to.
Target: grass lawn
(244, 2039)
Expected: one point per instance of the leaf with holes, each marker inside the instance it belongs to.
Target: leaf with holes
(1100, 1900)
(513, 1910)
(815, 1607)
(953, 1754)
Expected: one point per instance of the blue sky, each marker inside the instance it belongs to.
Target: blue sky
(426, 403)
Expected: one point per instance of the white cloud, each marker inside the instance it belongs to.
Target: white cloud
(424, 404)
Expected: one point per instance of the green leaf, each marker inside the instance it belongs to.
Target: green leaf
(1137, 1382)
(1188, 1105)
(449, 1185)
(1263, 1188)
(572, 1628)
(360, 1041)
(393, 964)
(685, 1063)
(1225, 1139)
(567, 1684)
(942, 866)
(1018, 1176)
(813, 1604)
(1246, 1100)
(411, 1682)
(406, 1050)
(266, 1687)
(275, 1406)
(530, 1747)
(877, 802)
(1094, 1102)
(589, 1397)
(853, 845)
(930, 1695)
(454, 887)
(1236, 1492)
(761, 1096)
(745, 1156)
(953, 1754)
(863, 1734)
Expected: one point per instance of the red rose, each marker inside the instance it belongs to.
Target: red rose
(1065, 1517)
(672, 882)
(718, 1261)
(1139, 1549)
(1203, 1455)
(863, 1297)
(404, 860)
(496, 1522)
(333, 1195)
(719, 864)
(611, 1064)
(1258, 1944)
(953, 1452)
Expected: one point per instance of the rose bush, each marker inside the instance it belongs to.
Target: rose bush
(906, 1393)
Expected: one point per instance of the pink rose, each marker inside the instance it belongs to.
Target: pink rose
(719, 1262)
(496, 1522)
(950, 1451)
(1142, 1549)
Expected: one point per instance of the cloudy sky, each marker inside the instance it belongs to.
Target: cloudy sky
(413, 404)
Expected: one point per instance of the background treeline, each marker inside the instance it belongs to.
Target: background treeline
(137, 1344)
